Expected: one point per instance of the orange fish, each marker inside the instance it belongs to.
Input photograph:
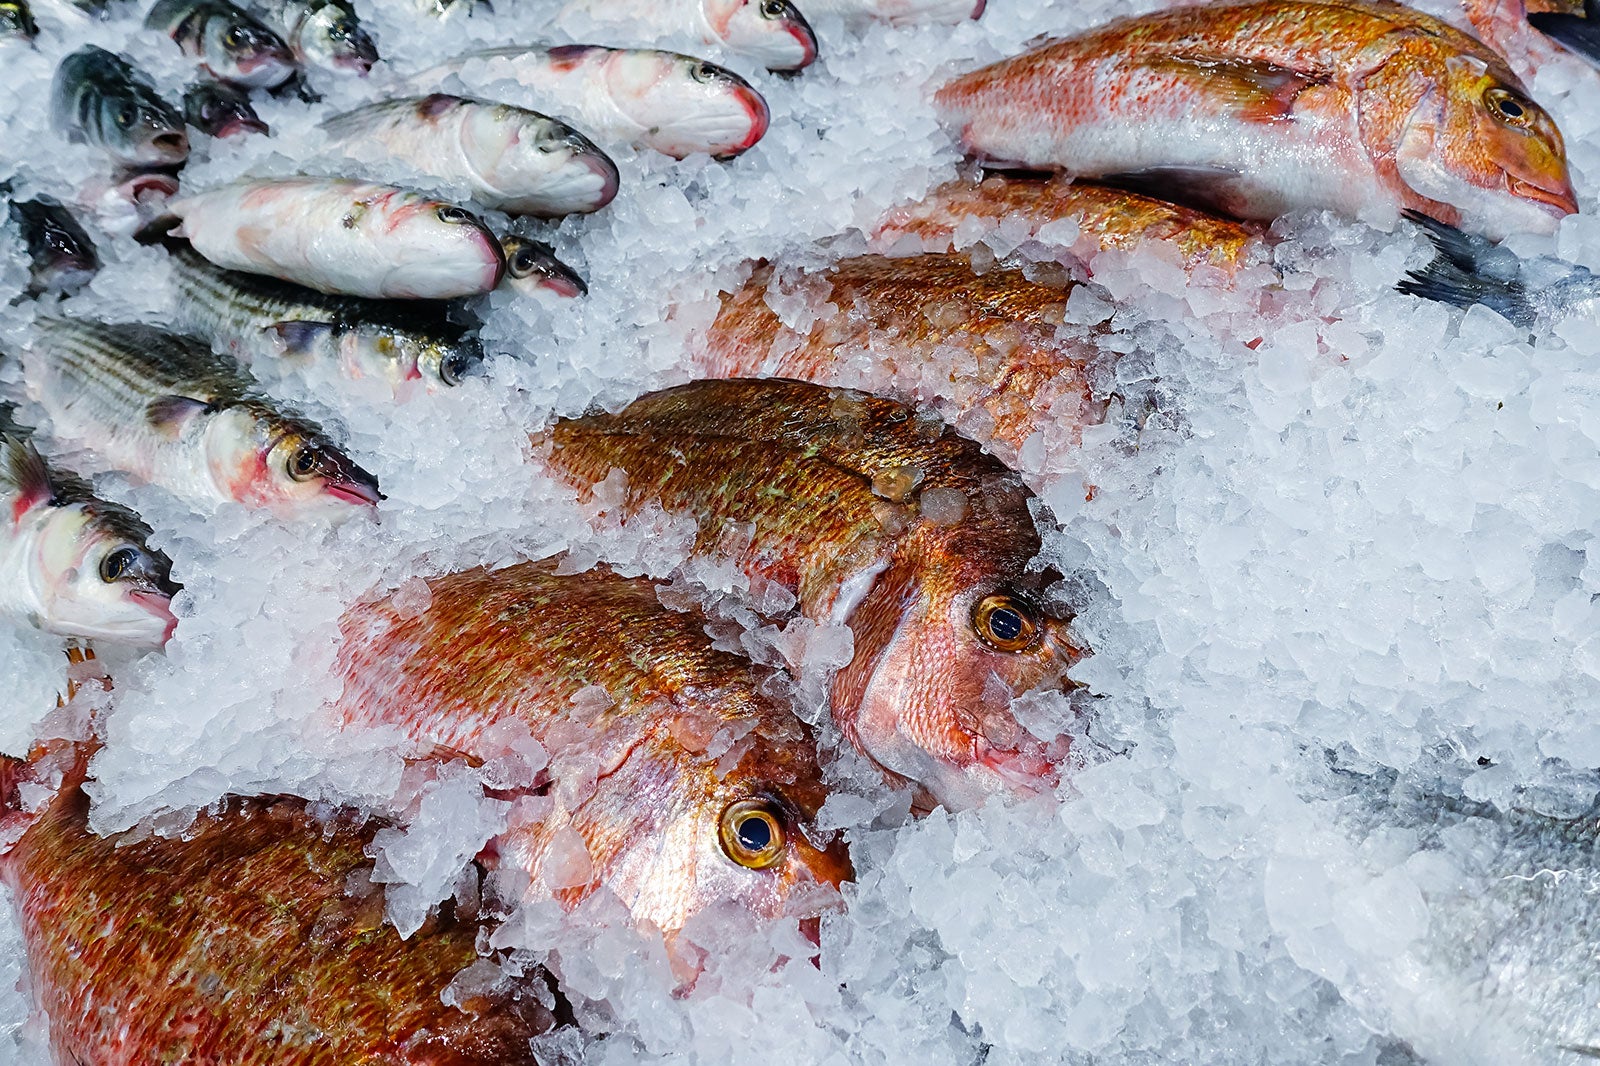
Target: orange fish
(674, 779)
(1259, 108)
(257, 939)
(984, 350)
(877, 518)
(1106, 218)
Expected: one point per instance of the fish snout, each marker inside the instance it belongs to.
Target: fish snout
(1558, 202)
(760, 116)
(159, 605)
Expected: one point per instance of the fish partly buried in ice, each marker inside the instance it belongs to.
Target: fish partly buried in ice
(667, 102)
(902, 12)
(228, 42)
(532, 266)
(514, 160)
(220, 110)
(402, 342)
(255, 939)
(1469, 270)
(351, 238)
(61, 255)
(102, 99)
(771, 32)
(876, 518)
(321, 33)
(166, 409)
(960, 212)
(16, 20)
(1262, 107)
(74, 564)
(706, 787)
(984, 350)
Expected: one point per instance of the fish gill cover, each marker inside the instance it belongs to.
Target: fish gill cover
(1329, 546)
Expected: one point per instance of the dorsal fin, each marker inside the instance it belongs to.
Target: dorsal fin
(25, 474)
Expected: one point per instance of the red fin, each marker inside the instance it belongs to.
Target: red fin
(27, 474)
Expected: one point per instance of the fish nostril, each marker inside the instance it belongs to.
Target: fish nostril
(171, 142)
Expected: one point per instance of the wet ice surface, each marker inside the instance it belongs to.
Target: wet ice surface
(1337, 545)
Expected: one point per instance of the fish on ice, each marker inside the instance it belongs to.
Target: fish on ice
(1467, 270)
(221, 110)
(902, 12)
(225, 40)
(62, 257)
(532, 267)
(103, 99)
(772, 32)
(321, 33)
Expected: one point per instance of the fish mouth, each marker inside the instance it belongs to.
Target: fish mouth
(610, 178)
(755, 108)
(355, 490)
(159, 604)
(239, 126)
(978, 9)
(1559, 203)
(802, 33)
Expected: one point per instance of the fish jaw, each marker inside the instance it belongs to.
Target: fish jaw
(440, 252)
(532, 266)
(248, 451)
(536, 166)
(681, 105)
(773, 32)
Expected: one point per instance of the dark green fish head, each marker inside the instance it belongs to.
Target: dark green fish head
(229, 42)
(16, 20)
(532, 265)
(219, 110)
(62, 256)
(104, 100)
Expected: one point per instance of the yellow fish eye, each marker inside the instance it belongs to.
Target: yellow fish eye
(1509, 108)
(1005, 623)
(303, 463)
(752, 833)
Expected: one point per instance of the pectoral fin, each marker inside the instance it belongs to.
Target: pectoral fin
(168, 415)
(1251, 90)
(296, 339)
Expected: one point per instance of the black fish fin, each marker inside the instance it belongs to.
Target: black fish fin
(169, 414)
(157, 229)
(1588, 1051)
(1210, 187)
(1457, 274)
(24, 468)
(298, 338)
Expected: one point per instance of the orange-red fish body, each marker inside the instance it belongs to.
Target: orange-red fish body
(255, 940)
(877, 518)
(660, 746)
(1106, 218)
(1368, 108)
(983, 350)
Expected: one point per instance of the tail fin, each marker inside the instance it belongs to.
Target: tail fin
(1469, 270)
(1577, 33)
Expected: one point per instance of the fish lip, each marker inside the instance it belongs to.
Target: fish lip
(158, 604)
(1559, 203)
(978, 9)
(610, 178)
(755, 106)
(355, 490)
(801, 31)
(237, 126)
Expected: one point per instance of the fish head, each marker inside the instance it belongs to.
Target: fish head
(264, 458)
(101, 581)
(219, 110)
(17, 21)
(333, 37)
(449, 362)
(685, 105)
(442, 250)
(400, 356)
(773, 32)
(63, 257)
(245, 52)
(948, 632)
(140, 129)
(1480, 145)
(511, 148)
(532, 266)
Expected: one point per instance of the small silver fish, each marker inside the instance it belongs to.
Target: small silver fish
(104, 100)
(63, 257)
(532, 266)
(166, 409)
(221, 110)
(398, 341)
(321, 33)
(771, 32)
(514, 160)
(228, 42)
(72, 563)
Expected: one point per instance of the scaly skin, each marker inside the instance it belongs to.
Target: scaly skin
(1367, 108)
(1107, 218)
(902, 326)
(689, 730)
(255, 939)
(810, 487)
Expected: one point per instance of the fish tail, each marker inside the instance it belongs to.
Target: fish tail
(1457, 275)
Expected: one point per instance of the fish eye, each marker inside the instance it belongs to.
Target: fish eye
(127, 115)
(120, 564)
(524, 262)
(304, 464)
(703, 72)
(1508, 107)
(752, 833)
(233, 38)
(454, 215)
(1005, 623)
(454, 367)
(774, 9)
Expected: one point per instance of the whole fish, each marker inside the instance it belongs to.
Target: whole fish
(16, 20)
(72, 563)
(228, 42)
(256, 318)
(1469, 270)
(345, 237)
(981, 349)
(62, 256)
(321, 33)
(514, 160)
(1270, 105)
(220, 110)
(902, 12)
(961, 211)
(102, 99)
(532, 266)
(873, 517)
(255, 939)
(166, 409)
(771, 32)
(686, 783)
(669, 103)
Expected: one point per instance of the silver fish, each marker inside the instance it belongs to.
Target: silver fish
(514, 160)
(102, 99)
(166, 409)
(771, 32)
(398, 341)
(72, 563)
(532, 266)
(321, 33)
(63, 257)
(221, 110)
(228, 42)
